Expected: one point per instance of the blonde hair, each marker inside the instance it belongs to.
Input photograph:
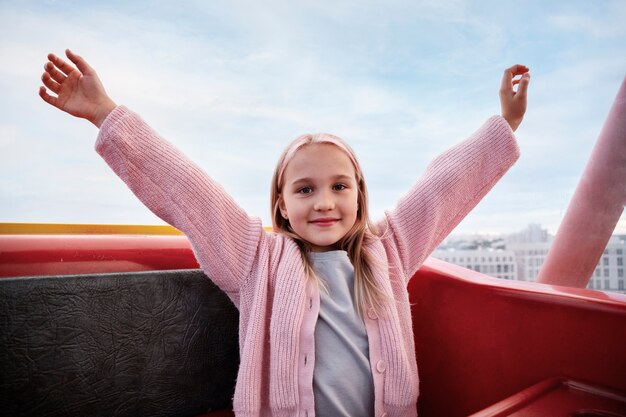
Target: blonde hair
(366, 293)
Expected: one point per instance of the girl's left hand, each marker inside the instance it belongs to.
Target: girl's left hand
(78, 90)
(513, 103)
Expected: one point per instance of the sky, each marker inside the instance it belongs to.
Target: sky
(231, 83)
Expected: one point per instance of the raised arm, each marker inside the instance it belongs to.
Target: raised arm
(224, 238)
(456, 181)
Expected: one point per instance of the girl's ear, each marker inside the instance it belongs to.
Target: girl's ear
(282, 207)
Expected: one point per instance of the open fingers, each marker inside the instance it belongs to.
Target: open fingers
(55, 74)
(80, 63)
(61, 64)
(52, 85)
(47, 97)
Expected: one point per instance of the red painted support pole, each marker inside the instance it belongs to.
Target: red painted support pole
(596, 207)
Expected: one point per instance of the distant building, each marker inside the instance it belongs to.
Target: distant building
(531, 247)
(525, 254)
(497, 263)
(533, 233)
(609, 273)
(530, 257)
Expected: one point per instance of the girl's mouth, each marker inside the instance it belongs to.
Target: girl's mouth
(324, 222)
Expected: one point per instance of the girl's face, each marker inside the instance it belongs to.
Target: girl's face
(319, 195)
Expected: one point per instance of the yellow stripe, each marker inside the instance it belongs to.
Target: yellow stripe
(85, 229)
(88, 229)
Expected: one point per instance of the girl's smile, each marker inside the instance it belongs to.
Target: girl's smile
(319, 196)
(324, 222)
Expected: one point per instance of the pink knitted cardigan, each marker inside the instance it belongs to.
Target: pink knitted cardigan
(263, 273)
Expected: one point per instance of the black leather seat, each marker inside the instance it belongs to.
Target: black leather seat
(160, 343)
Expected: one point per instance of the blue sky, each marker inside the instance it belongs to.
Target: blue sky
(231, 83)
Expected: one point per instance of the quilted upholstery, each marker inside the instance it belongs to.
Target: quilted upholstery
(135, 344)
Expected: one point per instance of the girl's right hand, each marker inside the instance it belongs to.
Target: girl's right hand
(78, 90)
(513, 103)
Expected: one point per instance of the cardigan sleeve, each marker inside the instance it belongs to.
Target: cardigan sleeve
(223, 237)
(452, 185)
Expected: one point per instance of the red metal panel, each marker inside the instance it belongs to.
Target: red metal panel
(559, 397)
(23, 255)
(481, 339)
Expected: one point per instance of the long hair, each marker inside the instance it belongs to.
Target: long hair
(367, 293)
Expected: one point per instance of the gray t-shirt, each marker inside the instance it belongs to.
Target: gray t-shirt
(342, 377)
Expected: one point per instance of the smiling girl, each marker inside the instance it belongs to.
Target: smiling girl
(344, 350)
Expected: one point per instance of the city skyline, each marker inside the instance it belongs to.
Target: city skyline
(521, 255)
(232, 84)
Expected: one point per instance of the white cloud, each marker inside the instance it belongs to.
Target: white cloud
(599, 19)
(230, 85)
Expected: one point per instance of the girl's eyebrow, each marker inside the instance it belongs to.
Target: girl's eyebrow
(339, 177)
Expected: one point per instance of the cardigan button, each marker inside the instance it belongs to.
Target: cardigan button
(383, 415)
(381, 366)
(371, 313)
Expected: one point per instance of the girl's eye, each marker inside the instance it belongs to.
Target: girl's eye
(339, 187)
(305, 190)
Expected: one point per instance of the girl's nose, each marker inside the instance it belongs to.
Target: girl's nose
(324, 202)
